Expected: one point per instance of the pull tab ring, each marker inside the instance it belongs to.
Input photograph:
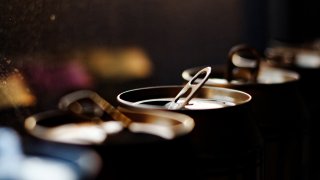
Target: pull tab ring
(68, 100)
(174, 104)
(243, 58)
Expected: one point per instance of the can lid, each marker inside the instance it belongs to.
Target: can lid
(157, 97)
(267, 75)
(194, 104)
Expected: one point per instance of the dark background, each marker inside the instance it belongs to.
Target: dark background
(175, 34)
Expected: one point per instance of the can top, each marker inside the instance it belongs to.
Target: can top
(158, 97)
(267, 75)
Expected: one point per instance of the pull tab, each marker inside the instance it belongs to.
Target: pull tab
(244, 63)
(71, 102)
(174, 105)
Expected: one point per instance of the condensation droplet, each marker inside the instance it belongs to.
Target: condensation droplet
(8, 61)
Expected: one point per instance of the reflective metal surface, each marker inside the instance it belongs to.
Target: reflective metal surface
(59, 126)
